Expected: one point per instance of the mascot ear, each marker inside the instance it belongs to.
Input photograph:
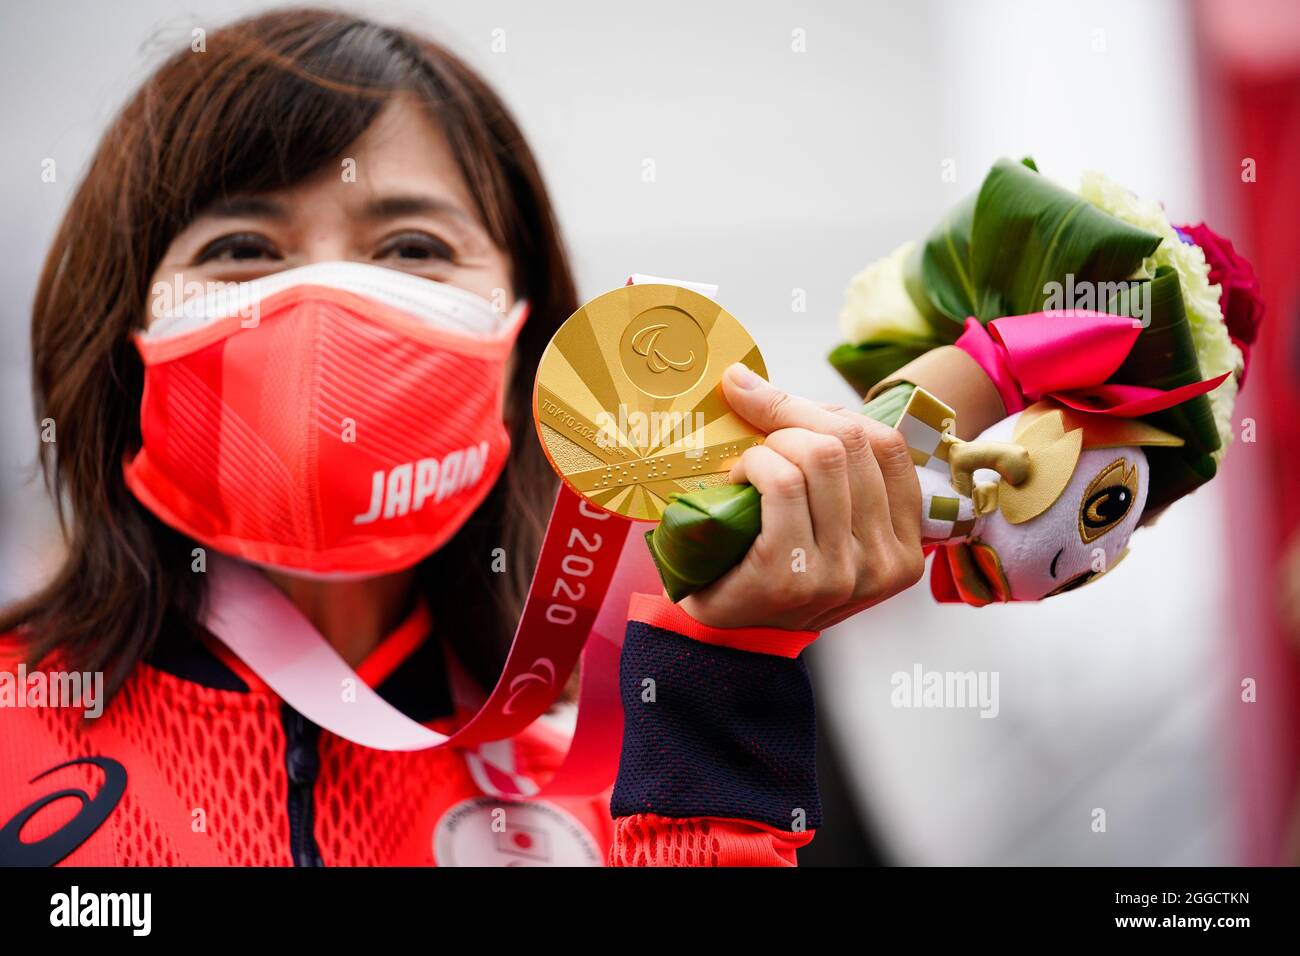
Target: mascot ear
(1101, 431)
(1053, 452)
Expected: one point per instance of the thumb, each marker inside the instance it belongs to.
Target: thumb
(754, 398)
(769, 409)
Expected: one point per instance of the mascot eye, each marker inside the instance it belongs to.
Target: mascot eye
(1108, 499)
(1106, 507)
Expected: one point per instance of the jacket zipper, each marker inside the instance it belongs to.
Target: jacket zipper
(302, 761)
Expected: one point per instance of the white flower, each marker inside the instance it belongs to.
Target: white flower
(876, 304)
(1214, 348)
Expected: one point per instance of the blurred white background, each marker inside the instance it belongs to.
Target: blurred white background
(780, 171)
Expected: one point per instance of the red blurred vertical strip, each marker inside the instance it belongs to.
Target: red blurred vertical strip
(1249, 72)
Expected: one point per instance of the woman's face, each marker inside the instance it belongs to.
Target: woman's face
(396, 198)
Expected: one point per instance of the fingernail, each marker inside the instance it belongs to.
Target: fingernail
(742, 376)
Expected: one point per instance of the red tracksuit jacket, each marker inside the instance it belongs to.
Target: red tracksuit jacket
(197, 762)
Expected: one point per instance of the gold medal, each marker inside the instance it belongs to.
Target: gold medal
(628, 400)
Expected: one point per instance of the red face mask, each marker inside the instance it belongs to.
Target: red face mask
(339, 420)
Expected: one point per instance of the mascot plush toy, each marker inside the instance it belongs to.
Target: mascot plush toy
(1063, 367)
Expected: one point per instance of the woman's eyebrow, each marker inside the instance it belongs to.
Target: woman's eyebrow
(245, 207)
(390, 207)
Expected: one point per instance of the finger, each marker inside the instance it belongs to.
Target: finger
(771, 409)
(824, 463)
(831, 406)
(786, 520)
(768, 408)
(893, 460)
(872, 509)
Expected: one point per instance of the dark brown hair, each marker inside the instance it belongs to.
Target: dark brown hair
(271, 100)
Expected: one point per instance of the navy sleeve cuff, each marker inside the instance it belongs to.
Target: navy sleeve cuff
(712, 731)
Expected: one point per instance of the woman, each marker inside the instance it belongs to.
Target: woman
(303, 150)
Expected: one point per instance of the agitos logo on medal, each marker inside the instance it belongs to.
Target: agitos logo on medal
(664, 351)
(643, 343)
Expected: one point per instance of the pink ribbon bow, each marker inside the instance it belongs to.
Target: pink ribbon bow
(1068, 356)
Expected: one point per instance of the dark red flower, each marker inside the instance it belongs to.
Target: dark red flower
(1240, 299)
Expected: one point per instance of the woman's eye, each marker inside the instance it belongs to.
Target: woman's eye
(240, 247)
(415, 246)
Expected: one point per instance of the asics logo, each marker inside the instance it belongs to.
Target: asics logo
(59, 844)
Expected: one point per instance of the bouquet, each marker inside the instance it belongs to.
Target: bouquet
(1063, 367)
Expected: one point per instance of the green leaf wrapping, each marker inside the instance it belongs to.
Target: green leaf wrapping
(705, 533)
(994, 254)
(1164, 357)
(996, 251)
(702, 534)
(945, 265)
(914, 285)
(862, 366)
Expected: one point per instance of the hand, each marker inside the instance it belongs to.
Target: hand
(841, 512)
